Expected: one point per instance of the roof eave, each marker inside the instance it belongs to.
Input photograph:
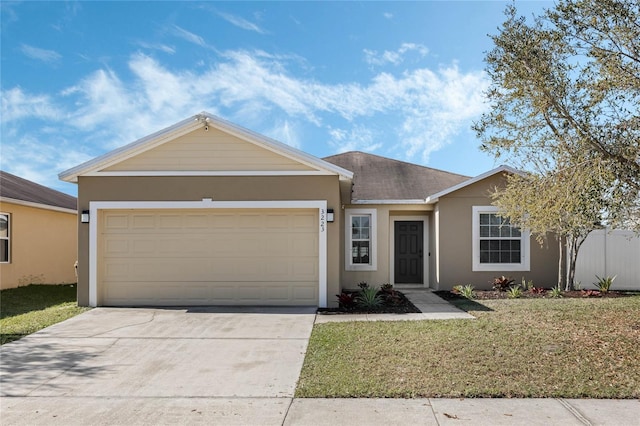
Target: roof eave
(130, 149)
(37, 205)
(409, 201)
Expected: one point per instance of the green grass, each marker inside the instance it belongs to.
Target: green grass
(25, 310)
(570, 348)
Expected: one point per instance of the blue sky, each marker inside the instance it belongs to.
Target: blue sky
(399, 79)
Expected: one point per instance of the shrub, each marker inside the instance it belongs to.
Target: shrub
(514, 292)
(590, 293)
(369, 298)
(392, 298)
(528, 285)
(387, 288)
(464, 291)
(604, 284)
(502, 283)
(389, 295)
(537, 290)
(555, 292)
(346, 300)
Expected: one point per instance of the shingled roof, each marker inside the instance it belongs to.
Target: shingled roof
(380, 178)
(17, 188)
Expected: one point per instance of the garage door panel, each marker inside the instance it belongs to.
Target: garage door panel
(308, 293)
(173, 221)
(115, 247)
(231, 257)
(114, 222)
(185, 293)
(218, 269)
(197, 221)
(305, 269)
(143, 221)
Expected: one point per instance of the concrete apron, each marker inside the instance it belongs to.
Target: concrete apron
(157, 366)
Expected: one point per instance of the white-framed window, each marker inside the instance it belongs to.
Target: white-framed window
(5, 236)
(498, 245)
(360, 240)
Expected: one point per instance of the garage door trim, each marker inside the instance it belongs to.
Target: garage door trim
(96, 206)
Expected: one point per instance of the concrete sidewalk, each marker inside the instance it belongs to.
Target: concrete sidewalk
(435, 411)
(196, 410)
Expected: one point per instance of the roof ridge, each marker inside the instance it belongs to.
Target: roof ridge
(398, 161)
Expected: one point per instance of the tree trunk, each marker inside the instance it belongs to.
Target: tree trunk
(561, 250)
(571, 262)
(574, 242)
(571, 268)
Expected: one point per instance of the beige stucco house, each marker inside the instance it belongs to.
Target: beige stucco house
(38, 234)
(206, 213)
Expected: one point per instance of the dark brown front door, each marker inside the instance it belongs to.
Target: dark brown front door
(408, 264)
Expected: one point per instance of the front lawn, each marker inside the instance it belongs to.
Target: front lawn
(569, 348)
(25, 310)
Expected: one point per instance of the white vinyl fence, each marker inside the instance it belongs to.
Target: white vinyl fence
(609, 253)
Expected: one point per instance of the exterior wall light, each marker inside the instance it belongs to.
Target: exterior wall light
(84, 217)
(329, 215)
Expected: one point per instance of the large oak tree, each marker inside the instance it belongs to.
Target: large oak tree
(564, 106)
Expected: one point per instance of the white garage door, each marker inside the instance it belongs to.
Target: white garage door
(208, 257)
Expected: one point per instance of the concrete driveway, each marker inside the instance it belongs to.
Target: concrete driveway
(157, 366)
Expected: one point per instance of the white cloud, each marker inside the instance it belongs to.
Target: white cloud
(285, 132)
(388, 15)
(102, 98)
(358, 138)
(17, 105)
(241, 22)
(30, 159)
(163, 89)
(188, 36)
(409, 114)
(373, 57)
(43, 55)
(246, 77)
(157, 46)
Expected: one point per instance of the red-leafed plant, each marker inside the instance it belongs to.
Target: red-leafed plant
(502, 283)
(346, 300)
(590, 293)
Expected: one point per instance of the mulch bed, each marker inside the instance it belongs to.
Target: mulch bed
(401, 306)
(494, 294)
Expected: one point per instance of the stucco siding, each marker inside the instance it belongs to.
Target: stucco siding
(208, 150)
(219, 188)
(455, 245)
(386, 214)
(43, 247)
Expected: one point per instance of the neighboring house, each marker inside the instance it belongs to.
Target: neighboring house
(206, 212)
(38, 234)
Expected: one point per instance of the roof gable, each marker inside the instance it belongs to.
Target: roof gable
(204, 145)
(22, 191)
(501, 169)
(208, 150)
(380, 179)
